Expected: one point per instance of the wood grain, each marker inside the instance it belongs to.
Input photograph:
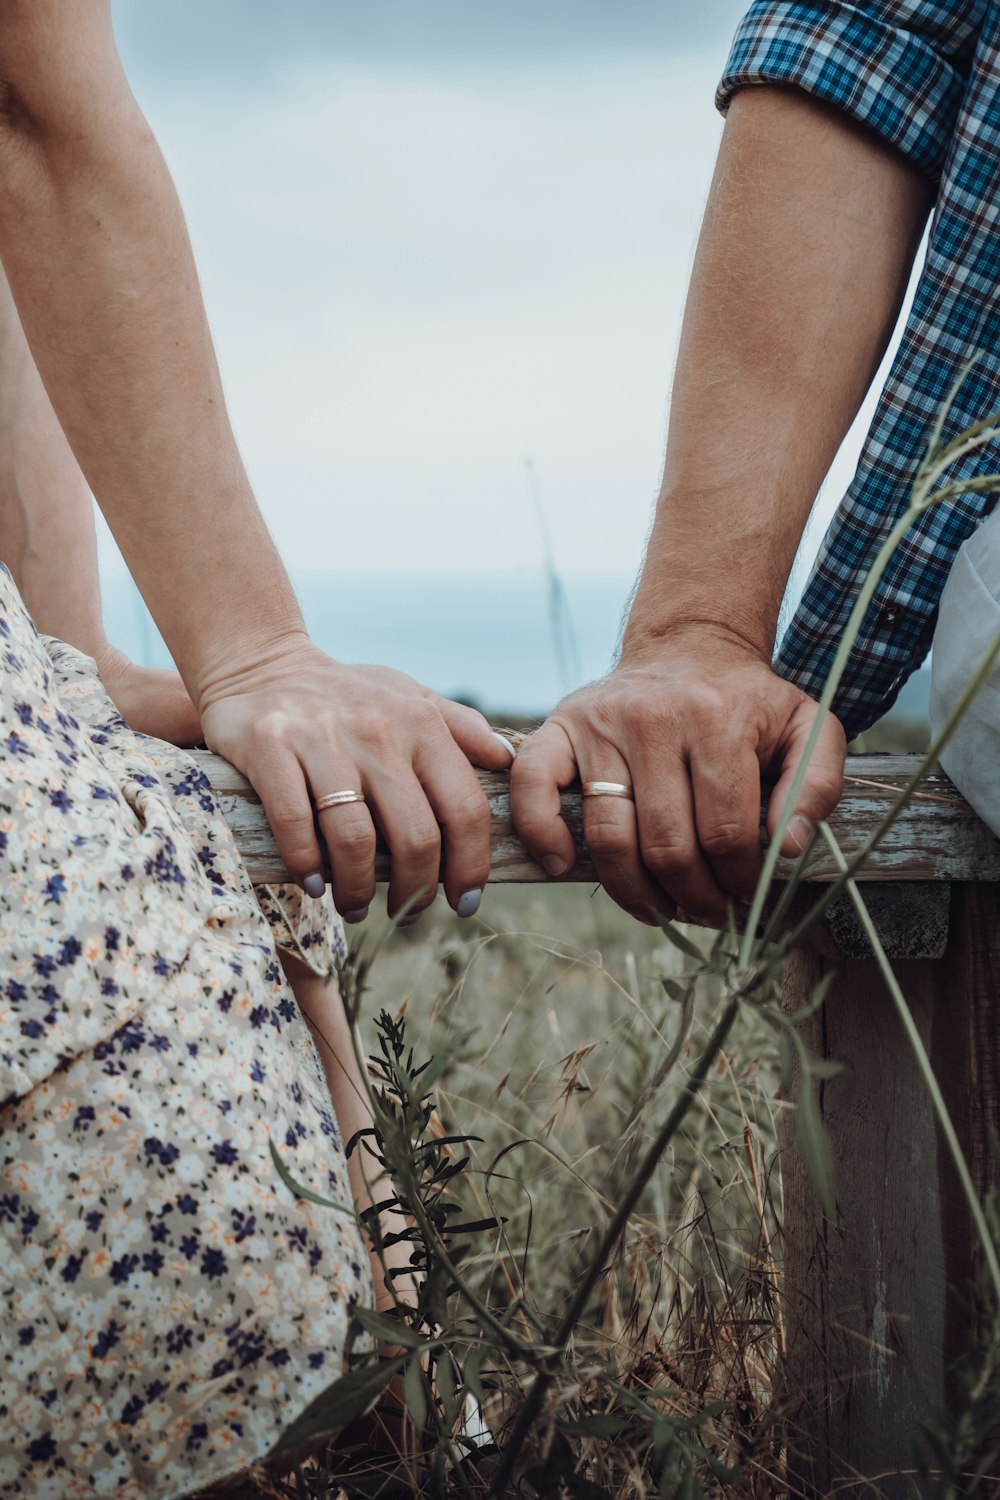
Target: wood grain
(877, 1301)
(866, 1296)
(937, 838)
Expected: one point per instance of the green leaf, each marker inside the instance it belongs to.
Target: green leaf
(391, 1330)
(602, 1424)
(815, 1002)
(472, 1373)
(679, 989)
(689, 1489)
(825, 1068)
(673, 933)
(432, 1071)
(414, 1393)
(304, 1192)
(446, 1385)
(349, 1397)
(814, 1146)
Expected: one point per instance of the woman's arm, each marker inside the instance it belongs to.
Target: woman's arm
(101, 270)
(49, 544)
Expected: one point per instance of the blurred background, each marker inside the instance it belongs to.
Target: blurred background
(444, 249)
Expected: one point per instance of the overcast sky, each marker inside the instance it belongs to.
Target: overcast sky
(436, 237)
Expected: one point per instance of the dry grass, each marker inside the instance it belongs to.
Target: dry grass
(564, 1051)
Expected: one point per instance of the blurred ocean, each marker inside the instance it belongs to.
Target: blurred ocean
(488, 640)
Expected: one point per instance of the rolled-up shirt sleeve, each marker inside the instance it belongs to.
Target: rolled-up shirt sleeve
(900, 68)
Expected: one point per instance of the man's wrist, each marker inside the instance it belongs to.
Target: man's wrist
(646, 636)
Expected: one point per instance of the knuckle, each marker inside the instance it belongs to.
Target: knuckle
(532, 830)
(427, 720)
(726, 838)
(418, 846)
(291, 820)
(611, 842)
(372, 727)
(664, 857)
(272, 727)
(826, 786)
(355, 839)
(527, 773)
(471, 813)
(352, 896)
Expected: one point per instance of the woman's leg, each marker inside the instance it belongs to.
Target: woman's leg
(320, 1002)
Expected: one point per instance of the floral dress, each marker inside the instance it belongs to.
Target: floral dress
(167, 1305)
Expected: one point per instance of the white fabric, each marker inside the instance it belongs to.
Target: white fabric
(968, 624)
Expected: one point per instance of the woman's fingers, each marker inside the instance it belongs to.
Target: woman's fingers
(482, 745)
(462, 812)
(280, 782)
(311, 726)
(349, 835)
(410, 829)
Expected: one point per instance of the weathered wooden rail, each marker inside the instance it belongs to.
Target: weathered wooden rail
(876, 1309)
(938, 838)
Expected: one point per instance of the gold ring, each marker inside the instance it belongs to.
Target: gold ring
(607, 789)
(338, 799)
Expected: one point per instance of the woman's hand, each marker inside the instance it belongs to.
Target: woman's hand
(150, 699)
(301, 725)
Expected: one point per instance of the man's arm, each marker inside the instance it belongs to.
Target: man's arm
(809, 235)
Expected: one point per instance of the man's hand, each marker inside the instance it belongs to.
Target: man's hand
(690, 724)
(809, 234)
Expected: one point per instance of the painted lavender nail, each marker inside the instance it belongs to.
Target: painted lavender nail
(468, 904)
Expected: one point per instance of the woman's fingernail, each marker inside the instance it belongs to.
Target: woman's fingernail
(356, 916)
(468, 905)
(555, 865)
(314, 885)
(505, 742)
(409, 919)
(800, 830)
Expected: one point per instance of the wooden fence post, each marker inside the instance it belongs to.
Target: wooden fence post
(874, 1313)
(874, 1307)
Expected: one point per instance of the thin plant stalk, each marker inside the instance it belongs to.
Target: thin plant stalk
(871, 843)
(598, 1265)
(923, 1063)
(923, 497)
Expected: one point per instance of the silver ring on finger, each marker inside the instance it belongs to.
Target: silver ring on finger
(607, 789)
(338, 799)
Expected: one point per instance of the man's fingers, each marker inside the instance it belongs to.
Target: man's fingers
(725, 780)
(668, 840)
(611, 829)
(824, 779)
(544, 764)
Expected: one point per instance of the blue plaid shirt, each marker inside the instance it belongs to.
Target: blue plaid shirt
(925, 76)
